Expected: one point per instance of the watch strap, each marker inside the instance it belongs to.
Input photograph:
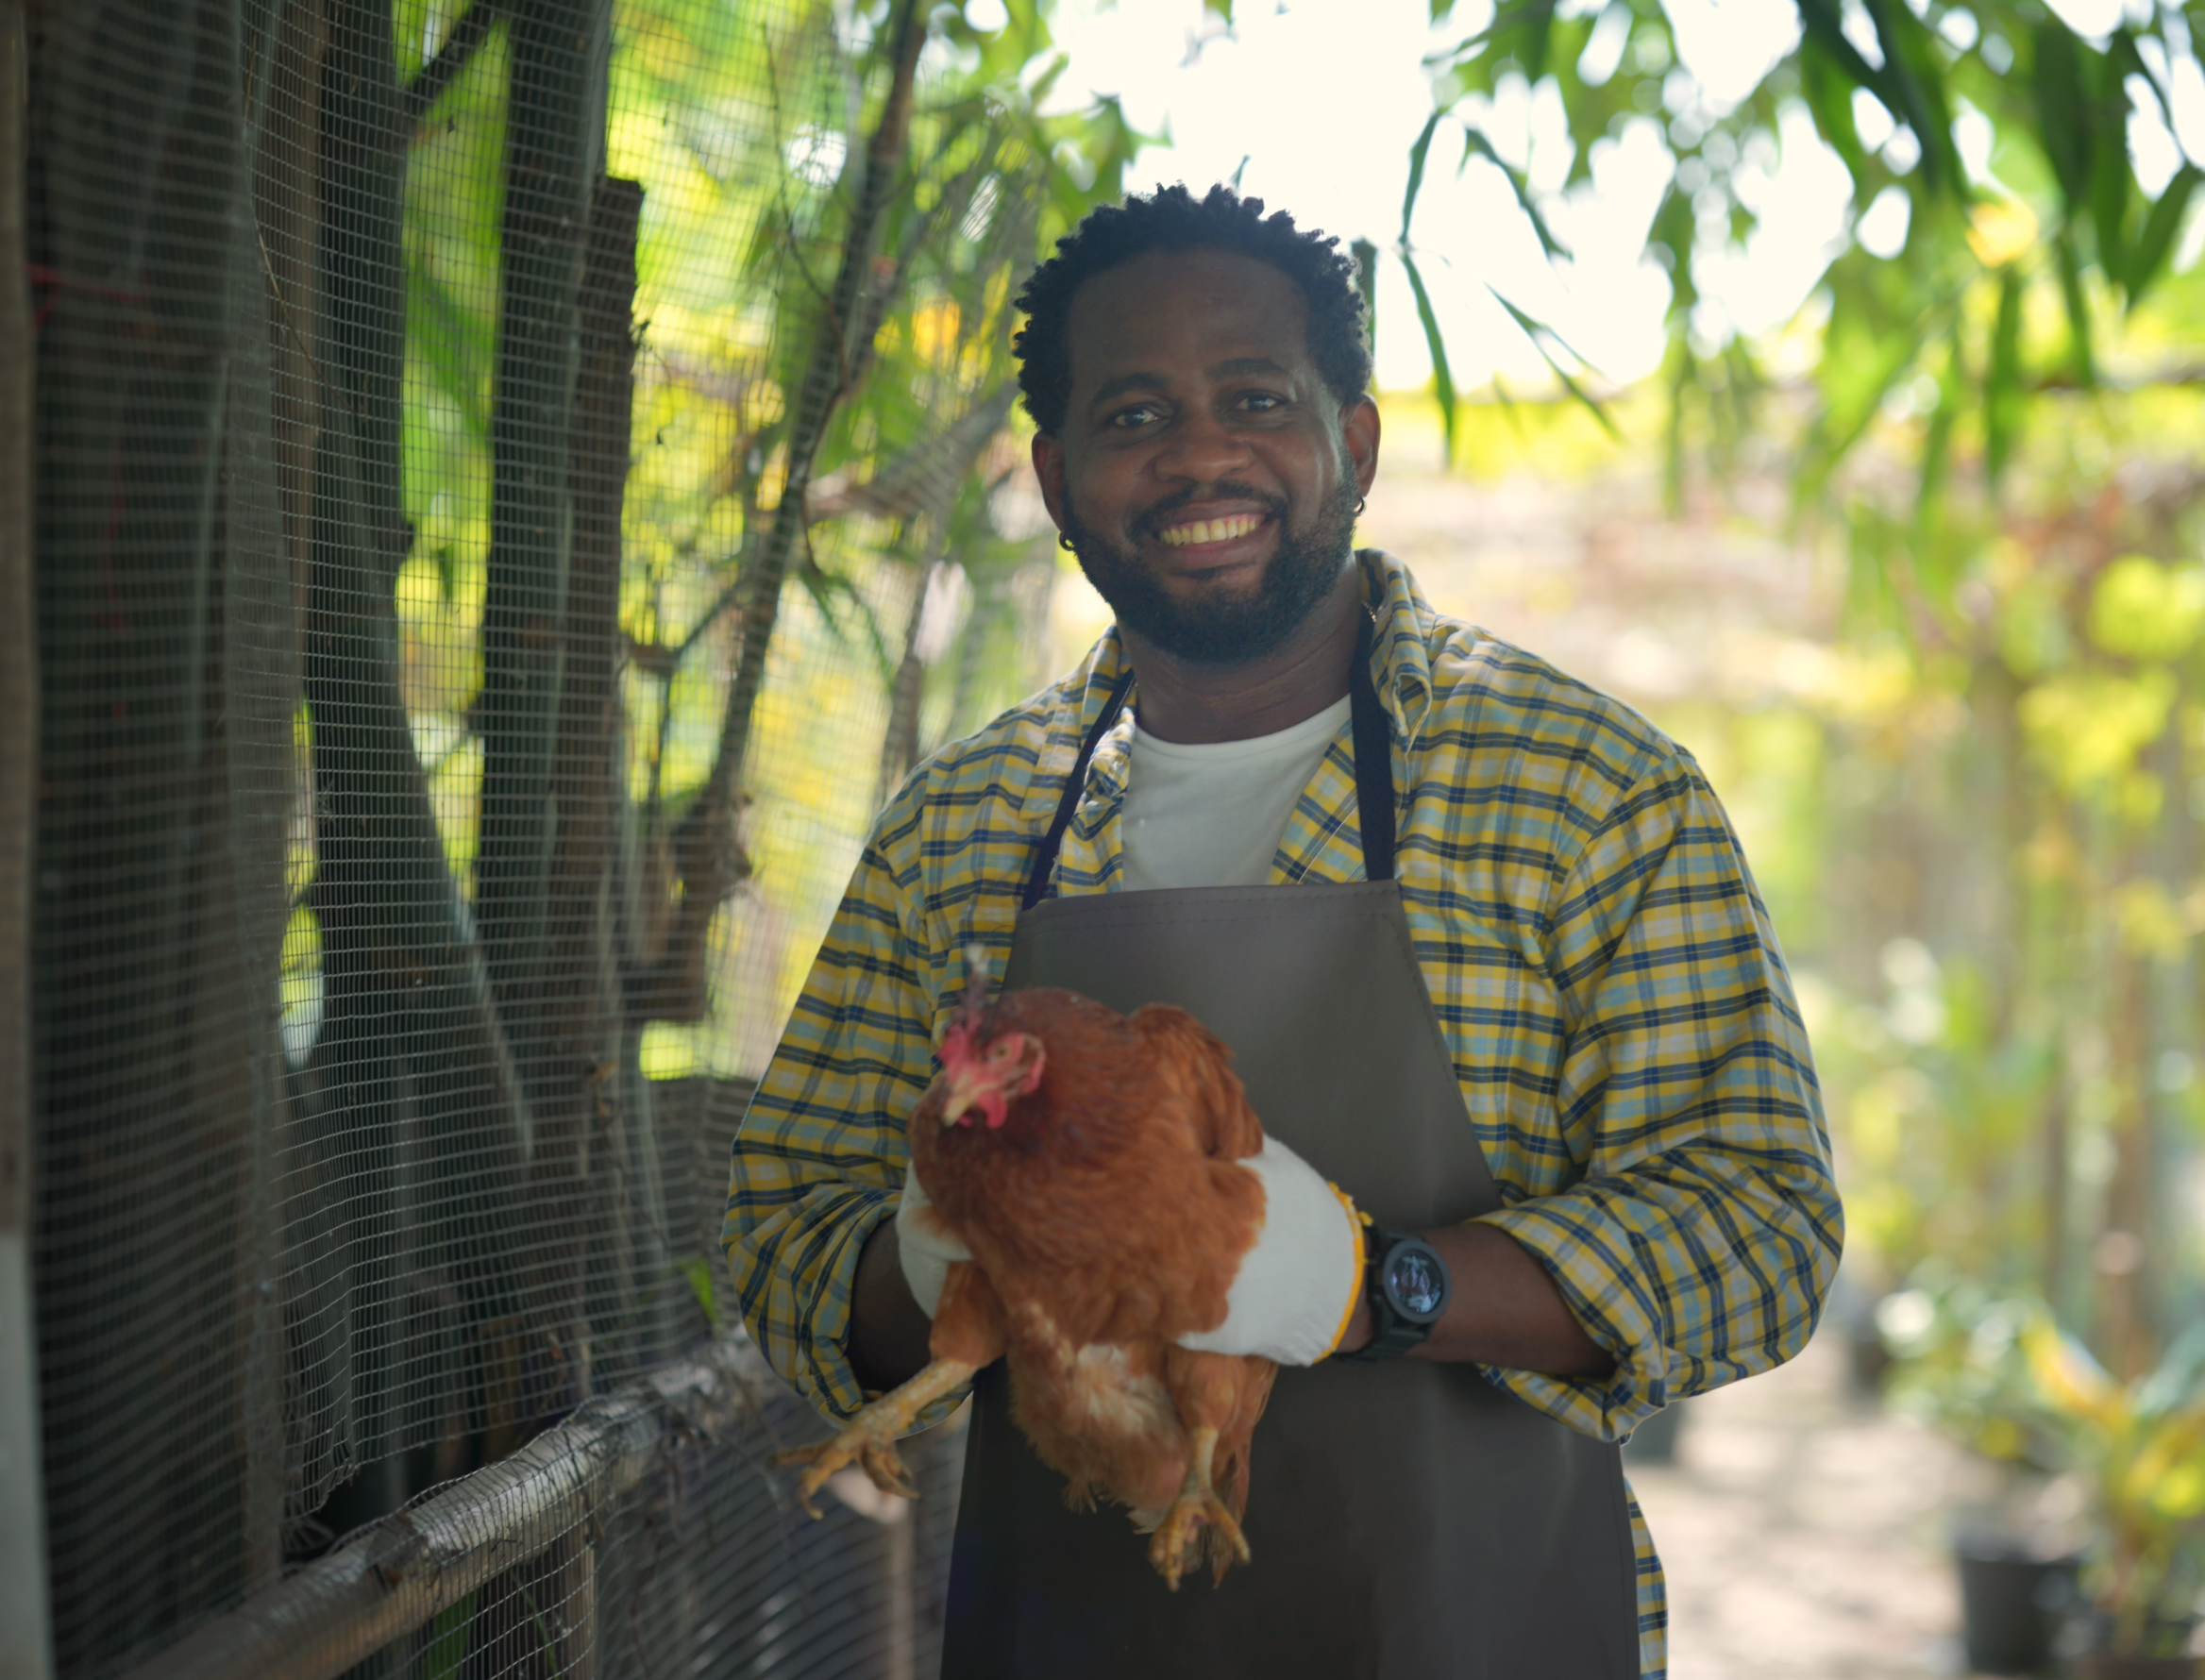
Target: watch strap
(1391, 1335)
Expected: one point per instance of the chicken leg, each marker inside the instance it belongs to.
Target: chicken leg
(969, 1334)
(1179, 1540)
(1219, 1398)
(869, 1438)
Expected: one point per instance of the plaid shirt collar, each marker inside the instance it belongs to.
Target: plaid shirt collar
(1322, 841)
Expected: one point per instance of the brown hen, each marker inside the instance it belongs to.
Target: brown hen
(1087, 1160)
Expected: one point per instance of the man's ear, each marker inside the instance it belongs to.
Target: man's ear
(1049, 469)
(1358, 436)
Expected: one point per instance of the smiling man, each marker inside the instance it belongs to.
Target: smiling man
(1490, 962)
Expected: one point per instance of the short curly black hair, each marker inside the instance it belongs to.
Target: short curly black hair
(1173, 219)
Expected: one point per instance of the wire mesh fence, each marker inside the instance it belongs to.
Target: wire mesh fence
(518, 483)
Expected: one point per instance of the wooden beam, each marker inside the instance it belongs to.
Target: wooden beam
(25, 1643)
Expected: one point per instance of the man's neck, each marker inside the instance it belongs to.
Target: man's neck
(1194, 704)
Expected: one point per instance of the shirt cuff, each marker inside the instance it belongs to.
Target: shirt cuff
(824, 1376)
(1596, 1267)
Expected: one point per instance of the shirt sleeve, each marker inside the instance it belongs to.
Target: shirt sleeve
(1700, 1240)
(819, 1159)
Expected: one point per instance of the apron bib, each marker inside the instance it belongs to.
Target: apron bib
(1408, 1520)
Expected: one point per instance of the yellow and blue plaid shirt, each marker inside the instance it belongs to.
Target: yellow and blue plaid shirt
(1629, 1050)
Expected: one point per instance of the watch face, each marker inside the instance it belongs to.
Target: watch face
(1414, 1280)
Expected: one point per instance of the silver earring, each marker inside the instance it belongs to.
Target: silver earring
(1064, 541)
(1361, 502)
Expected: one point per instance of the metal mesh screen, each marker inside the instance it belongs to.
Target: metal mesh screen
(518, 483)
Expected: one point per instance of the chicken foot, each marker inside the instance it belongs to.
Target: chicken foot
(1178, 1542)
(869, 1438)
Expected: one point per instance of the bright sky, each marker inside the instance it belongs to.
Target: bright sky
(1324, 98)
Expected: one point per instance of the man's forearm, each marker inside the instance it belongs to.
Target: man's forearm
(1507, 1310)
(889, 1331)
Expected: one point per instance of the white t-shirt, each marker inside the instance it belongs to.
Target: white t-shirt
(1214, 814)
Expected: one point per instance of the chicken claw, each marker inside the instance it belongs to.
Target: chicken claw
(869, 1438)
(1197, 1507)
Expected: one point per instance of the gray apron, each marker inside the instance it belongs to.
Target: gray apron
(1408, 1520)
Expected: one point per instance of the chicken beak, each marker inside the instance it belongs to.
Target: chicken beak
(964, 1092)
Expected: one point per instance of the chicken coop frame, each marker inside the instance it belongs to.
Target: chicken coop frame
(436, 723)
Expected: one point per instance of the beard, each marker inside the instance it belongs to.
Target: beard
(1233, 630)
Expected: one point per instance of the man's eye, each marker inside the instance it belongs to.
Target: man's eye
(1127, 419)
(1262, 403)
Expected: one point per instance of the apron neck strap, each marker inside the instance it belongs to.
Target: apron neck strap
(1373, 773)
(1374, 761)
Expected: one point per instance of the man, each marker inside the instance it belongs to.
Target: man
(1286, 794)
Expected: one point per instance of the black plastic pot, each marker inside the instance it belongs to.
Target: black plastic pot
(2012, 1603)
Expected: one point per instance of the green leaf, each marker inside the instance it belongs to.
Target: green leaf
(1682, 369)
(1442, 376)
(2149, 255)
(1539, 333)
(2002, 378)
(1476, 144)
(698, 1271)
(1529, 26)
(1912, 83)
(1825, 27)
(1417, 154)
(2110, 187)
(1933, 559)
(2082, 361)
(2063, 125)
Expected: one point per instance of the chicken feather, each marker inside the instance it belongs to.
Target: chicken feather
(1107, 1216)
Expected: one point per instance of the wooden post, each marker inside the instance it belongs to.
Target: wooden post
(25, 1644)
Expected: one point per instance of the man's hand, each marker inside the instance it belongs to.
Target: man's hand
(1504, 1308)
(1290, 1301)
(926, 1247)
(889, 1335)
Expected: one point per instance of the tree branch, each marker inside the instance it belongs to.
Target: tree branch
(439, 73)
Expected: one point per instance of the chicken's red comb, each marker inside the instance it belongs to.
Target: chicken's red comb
(975, 981)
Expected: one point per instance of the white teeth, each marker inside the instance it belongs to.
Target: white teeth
(1211, 530)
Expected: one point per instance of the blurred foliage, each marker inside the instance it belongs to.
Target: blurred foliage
(1998, 1372)
(1999, 137)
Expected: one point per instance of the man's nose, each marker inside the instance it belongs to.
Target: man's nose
(1201, 449)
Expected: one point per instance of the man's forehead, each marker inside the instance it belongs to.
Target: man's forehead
(1239, 307)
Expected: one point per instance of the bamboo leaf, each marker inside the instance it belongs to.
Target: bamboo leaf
(1538, 332)
(1534, 26)
(1682, 369)
(1912, 83)
(1933, 559)
(1442, 376)
(1417, 154)
(2149, 255)
(1476, 144)
(2082, 361)
(2002, 378)
(1825, 27)
(2109, 210)
(2064, 128)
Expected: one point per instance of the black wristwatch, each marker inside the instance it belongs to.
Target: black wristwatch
(1405, 1282)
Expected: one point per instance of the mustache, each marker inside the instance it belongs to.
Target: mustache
(1152, 519)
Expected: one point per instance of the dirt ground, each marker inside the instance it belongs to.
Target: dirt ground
(1805, 1534)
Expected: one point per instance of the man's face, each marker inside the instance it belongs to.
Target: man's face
(1205, 473)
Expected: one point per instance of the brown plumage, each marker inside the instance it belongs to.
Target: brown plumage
(1087, 1160)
